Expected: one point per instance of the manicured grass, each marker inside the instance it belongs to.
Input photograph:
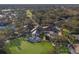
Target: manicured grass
(29, 48)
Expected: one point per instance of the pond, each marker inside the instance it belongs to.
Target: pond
(2, 52)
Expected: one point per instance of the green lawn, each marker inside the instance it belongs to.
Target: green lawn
(26, 47)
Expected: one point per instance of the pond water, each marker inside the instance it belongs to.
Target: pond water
(2, 52)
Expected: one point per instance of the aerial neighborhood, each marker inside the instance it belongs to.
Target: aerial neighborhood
(42, 30)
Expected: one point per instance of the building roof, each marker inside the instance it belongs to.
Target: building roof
(77, 36)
